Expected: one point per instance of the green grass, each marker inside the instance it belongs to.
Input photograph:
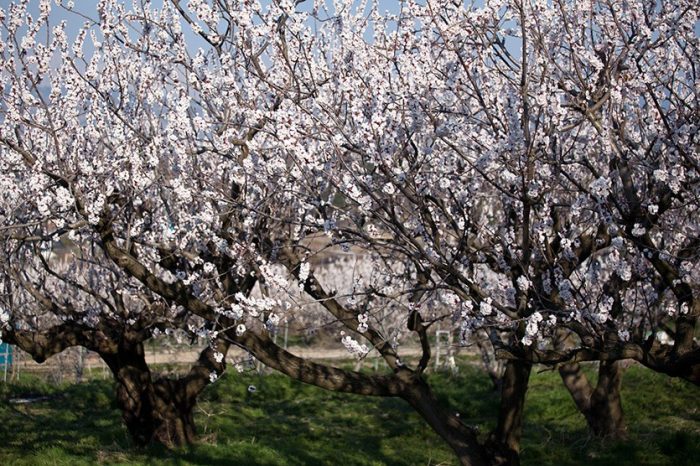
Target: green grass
(662, 415)
(288, 423)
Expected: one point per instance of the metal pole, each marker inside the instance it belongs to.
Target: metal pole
(16, 366)
(7, 352)
(437, 349)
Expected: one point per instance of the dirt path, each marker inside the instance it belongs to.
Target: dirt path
(236, 354)
(190, 355)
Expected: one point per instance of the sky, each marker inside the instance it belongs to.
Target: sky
(88, 7)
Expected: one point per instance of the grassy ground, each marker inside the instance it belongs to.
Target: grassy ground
(287, 423)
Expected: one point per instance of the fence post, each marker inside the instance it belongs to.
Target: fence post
(7, 354)
(438, 346)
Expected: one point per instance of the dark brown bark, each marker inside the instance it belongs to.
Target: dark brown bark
(41, 345)
(135, 393)
(159, 411)
(602, 405)
(174, 413)
(175, 400)
(505, 440)
(153, 412)
(657, 357)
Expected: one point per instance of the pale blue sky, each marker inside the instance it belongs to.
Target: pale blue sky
(88, 7)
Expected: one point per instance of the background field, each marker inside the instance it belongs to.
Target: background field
(287, 423)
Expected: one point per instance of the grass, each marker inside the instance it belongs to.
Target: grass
(288, 423)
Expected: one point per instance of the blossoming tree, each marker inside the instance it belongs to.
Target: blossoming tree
(526, 168)
(83, 300)
(547, 187)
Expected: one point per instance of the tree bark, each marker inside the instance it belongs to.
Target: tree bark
(493, 366)
(174, 414)
(602, 405)
(135, 393)
(505, 440)
(175, 399)
(159, 411)
(460, 438)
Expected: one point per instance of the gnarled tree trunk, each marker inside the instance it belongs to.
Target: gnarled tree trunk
(505, 440)
(173, 413)
(160, 411)
(602, 405)
(135, 391)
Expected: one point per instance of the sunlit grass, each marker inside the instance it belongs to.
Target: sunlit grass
(288, 423)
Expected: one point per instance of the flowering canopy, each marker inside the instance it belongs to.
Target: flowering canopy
(525, 166)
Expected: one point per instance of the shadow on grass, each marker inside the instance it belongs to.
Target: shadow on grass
(287, 423)
(296, 424)
(662, 415)
(283, 422)
(76, 420)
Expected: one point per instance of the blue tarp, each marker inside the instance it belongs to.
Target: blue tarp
(5, 354)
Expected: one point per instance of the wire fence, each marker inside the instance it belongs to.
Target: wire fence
(168, 355)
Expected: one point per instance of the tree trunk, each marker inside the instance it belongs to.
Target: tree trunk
(505, 440)
(153, 412)
(174, 413)
(459, 437)
(134, 391)
(606, 403)
(602, 406)
(494, 367)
